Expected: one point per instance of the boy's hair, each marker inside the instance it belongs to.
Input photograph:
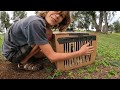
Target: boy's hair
(63, 25)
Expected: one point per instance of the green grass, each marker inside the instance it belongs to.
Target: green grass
(1, 39)
(108, 46)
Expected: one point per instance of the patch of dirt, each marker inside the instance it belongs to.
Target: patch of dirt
(10, 71)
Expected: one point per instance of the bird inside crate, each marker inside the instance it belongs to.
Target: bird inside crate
(65, 42)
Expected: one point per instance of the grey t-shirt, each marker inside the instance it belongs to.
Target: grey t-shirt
(30, 30)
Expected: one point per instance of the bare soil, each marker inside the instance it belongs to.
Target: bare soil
(10, 71)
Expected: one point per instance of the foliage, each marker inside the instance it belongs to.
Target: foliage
(82, 18)
(19, 15)
(116, 25)
(111, 28)
(5, 20)
(56, 74)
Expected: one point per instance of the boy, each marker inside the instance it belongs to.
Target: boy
(27, 40)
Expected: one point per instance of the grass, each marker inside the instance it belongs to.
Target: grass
(1, 39)
(106, 65)
(108, 46)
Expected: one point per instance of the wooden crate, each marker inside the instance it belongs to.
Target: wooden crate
(64, 42)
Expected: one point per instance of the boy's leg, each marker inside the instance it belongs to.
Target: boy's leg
(40, 54)
(35, 51)
(31, 61)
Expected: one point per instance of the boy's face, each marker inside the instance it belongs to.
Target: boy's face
(55, 17)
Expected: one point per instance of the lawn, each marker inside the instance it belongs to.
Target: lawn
(106, 65)
(1, 39)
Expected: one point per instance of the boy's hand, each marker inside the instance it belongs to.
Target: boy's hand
(86, 49)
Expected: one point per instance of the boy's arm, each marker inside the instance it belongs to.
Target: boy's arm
(54, 56)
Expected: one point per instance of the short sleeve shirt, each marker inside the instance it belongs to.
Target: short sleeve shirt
(30, 30)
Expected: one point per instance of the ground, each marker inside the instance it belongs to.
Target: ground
(10, 71)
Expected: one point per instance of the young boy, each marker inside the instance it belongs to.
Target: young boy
(29, 38)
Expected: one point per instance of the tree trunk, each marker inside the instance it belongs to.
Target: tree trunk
(95, 23)
(100, 20)
(105, 30)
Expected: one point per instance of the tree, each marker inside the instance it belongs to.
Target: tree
(19, 15)
(82, 18)
(94, 20)
(105, 29)
(5, 20)
(85, 18)
(108, 16)
(111, 28)
(116, 26)
(100, 21)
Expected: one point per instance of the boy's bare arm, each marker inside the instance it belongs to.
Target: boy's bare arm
(54, 56)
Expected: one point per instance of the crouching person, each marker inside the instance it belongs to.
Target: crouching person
(27, 40)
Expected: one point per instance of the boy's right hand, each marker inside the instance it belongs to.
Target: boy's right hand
(86, 49)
